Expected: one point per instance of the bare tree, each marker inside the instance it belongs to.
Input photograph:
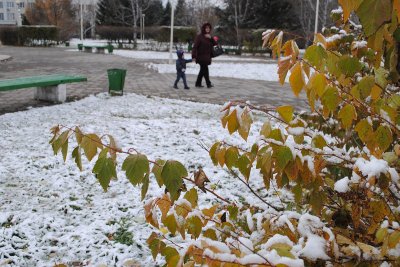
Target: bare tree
(306, 13)
(201, 11)
(59, 13)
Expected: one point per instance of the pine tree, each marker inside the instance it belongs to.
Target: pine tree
(181, 13)
(154, 13)
(107, 12)
(166, 20)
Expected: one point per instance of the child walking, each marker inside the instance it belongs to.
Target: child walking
(180, 69)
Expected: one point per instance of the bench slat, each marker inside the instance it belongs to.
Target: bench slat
(39, 81)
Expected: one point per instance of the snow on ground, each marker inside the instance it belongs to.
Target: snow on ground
(223, 66)
(52, 213)
(165, 55)
(252, 71)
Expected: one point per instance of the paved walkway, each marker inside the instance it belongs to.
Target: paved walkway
(140, 80)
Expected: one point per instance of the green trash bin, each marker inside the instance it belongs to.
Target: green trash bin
(80, 47)
(110, 49)
(67, 43)
(116, 81)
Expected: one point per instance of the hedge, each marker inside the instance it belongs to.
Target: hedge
(29, 35)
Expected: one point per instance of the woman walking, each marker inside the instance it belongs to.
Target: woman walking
(201, 54)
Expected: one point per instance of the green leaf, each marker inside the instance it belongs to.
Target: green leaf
(231, 157)
(347, 114)
(318, 141)
(233, 212)
(330, 99)
(381, 234)
(332, 64)
(264, 162)
(145, 186)
(170, 223)
(394, 101)
(213, 151)
(383, 137)
(286, 113)
(297, 192)
(104, 169)
(349, 66)
(244, 166)
(157, 168)
(364, 130)
(365, 86)
(192, 197)
(381, 77)
(76, 154)
(155, 245)
(136, 167)
(283, 155)
(59, 142)
(373, 14)
(276, 134)
(316, 56)
(317, 83)
(90, 143)
(283, 250)
(172, 174)
(194, 225)
(64, 150)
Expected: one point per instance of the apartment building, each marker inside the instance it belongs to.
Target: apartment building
(11, 11)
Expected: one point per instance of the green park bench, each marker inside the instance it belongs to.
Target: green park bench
(48, 87)
(99, 49)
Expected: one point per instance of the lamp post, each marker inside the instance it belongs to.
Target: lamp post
(81, 11)
(172, 31)
(316, 17)
(143, 26)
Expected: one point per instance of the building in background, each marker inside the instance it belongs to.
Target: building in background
(11, 11)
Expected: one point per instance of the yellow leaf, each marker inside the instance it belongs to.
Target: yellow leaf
(381, 234)
(396, 6)
(286, 113)
(245, 124)
(266, 129)
(394, 239)
(376, 91)
(150, 214)
(210, 212)
(297, 79)
(349, 6)
(277, 45)
(220, 155)
(284, 64)
(233, 123)
(319, 38)
(347, 115)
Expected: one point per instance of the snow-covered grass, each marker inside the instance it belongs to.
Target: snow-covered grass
(52, 213)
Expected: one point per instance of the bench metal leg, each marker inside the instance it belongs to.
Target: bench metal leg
(56, 93)
(88, 49)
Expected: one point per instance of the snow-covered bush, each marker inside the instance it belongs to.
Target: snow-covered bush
(341, 162)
